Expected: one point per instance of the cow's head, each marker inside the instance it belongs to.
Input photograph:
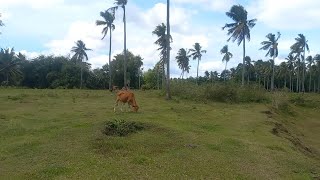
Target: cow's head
(135, 108)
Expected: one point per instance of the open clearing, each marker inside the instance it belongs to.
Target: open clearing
(58, 134)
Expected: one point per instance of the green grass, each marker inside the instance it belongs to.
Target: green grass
(58, 134)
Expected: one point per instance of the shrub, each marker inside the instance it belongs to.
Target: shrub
(219, 92)
(281, 104)
(122, 128)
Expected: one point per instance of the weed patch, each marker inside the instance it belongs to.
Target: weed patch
(122, 128)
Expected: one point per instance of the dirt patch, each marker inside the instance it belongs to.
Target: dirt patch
(268, 113)
(281, 131)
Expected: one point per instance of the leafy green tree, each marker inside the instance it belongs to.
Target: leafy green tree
(80, 54)
(183, 61)
(240, 29)
(108, 18)
(300, 46)
(226, 56)
(196, 53)
(122, 4)
(134, 64)
(9, 65)
(271, 46)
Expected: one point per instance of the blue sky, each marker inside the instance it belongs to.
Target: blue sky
(52, 26)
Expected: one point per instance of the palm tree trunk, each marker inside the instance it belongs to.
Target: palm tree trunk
(297, 89)
(314, 85)
(163, 76)
(158, 78)
(310, 81)
(272, 77)
(168, 94)
(290, 83)
(197, 72)
(81, 74)
(7, 78)
(243, 63)
(318, 83)
(248, 77)
(125, 48)
(110, 72)
(303, 69)
(264, 82)
(225, 74)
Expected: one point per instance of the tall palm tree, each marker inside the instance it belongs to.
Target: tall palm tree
(290, 65)
(9, 64)
(240, 29)
(196, 53)
(168, 93)
(122, 4)
(160, 31)
(80, 54)
(108, 18)
(310, 61)
(226, 57)
(300, 46)
(271, 46)
(183, 61)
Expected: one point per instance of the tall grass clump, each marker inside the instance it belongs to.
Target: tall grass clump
(219, 92)
(120, 127)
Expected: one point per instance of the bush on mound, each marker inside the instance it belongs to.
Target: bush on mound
(118, 127)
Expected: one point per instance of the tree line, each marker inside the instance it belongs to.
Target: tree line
(65, 71)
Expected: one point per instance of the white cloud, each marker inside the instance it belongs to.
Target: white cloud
(215, 5)
(287, 14)
(36, 4)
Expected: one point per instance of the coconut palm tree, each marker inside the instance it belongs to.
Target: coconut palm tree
(226, 57)
(108, 18)
(168, 93)
(80, 54)
(271, 46)
(122, 4)
(196, 53)
(317, 60)
(300, 46)
(9, 64)
(310, 61)
(160, 31)
(240, 29)
(183, 61)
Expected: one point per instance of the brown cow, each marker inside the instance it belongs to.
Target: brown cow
(126, 97)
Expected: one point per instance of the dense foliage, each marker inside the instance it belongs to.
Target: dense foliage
(63, 72)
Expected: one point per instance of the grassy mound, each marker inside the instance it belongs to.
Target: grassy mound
(121, 127)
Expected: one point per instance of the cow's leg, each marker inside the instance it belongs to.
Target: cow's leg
(122, 104)
(115, 105)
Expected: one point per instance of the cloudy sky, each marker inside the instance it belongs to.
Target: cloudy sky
(52, 26)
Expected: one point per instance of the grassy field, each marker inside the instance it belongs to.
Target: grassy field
(57, 134)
